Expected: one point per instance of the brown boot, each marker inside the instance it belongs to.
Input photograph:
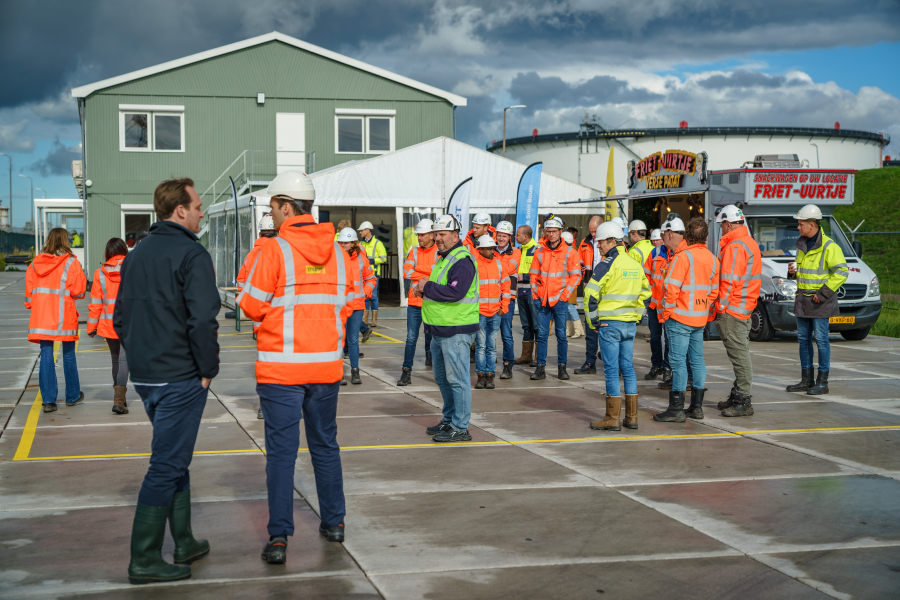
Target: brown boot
(374, 318)
(630, 421)
(366, 318)
(120, 407)
(527, 351)
(611, 420)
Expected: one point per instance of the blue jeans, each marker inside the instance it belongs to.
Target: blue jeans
(506, 335)
(573, 313)
(353, 327)
(372, 303)
(686, 345)
(591, 345)
(659, 347)
(175, 410)
(558, 313)
(617, 341)
(806, 330)
(47, 373)
(413, 324)
(451, 373)
(283, 407)
(527, 317)
(486, 343)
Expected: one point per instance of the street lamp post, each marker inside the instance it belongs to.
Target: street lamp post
(10, 189)
(43, 192)
(818, 166)
(32, 195)
(504, 125)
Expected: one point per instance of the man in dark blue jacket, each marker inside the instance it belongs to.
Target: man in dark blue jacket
(165, 316)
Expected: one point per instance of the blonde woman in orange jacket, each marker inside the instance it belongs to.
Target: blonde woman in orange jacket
(53, 282)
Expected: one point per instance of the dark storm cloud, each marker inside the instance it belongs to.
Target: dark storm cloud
(743, 79)
(552, 92)
(57, 162)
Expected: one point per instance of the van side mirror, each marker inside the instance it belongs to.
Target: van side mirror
(857, 247)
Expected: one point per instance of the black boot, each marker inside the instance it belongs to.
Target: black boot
(354, 377)
(654, 373)
(806, 381)
(740, 408)
(405, 377)
(728, 402)
(586, 369)
(275, 552)
(695, 411)
(489, 381)
(332, 534)
(562, 375)
(675, 412)
(821, 385)
(479, 384)
(666, 383)
(506, 373)
(428, 362)
(538, 373)
(147, 533)
(187, 549)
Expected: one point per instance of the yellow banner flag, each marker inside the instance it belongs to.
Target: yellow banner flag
(612, 209)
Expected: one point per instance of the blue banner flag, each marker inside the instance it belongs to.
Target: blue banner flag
(528, 197)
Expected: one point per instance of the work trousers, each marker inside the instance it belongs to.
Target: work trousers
(47, 373)
(659, 346)
(686, 355)
(617, 342)
(372, 303)
(353, 327)
(735, 334)
(558, 313)
(527, 317)
(174, 410)
(506, 335)
(413, 324)
(119, 361)
(451, 372)
(591, 345)
(807, 330)
(283, 407)
(486, 343)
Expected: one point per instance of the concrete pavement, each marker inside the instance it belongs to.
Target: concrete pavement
(802, 500)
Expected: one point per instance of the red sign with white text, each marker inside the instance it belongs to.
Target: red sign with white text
(799, 187)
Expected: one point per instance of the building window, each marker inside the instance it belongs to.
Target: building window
(151, 128)
(364, 131)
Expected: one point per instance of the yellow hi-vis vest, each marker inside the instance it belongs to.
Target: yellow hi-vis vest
(824, 265)
(640, 252)
(452, 314)
(375, 252)
(617, 290)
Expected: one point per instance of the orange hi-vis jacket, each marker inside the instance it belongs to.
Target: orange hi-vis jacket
(248, 264)
(741, 278)
(363, 280)
(692, 285)
(103, 297)
(471, 243)
(299, 290)
(658, 264)
(52, 285)
(493, 287)
(586, 254)
(555, 273)
(511, 260)
(419, 263)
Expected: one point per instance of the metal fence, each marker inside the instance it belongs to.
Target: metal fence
(16, 242)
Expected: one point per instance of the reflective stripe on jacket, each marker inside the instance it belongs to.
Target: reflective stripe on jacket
(640, 252)
(692, 285)
(555, 273)
(493, 287)
(471, 243)
(821, 271)
(52, 284)
(248, 264)
(103, 298)
(658, 265)
(364, 280)
(452, 314)
(300, 289)
(375, 252)
(511, 259)
(740, 278)
(418, 265)
(616, 291)
(527, 255)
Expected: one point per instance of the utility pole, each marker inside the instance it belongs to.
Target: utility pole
(504, 125)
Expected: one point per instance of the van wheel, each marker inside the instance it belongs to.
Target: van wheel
(761, 329)
(854, 335)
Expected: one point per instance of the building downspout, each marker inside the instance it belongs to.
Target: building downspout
(84, 187)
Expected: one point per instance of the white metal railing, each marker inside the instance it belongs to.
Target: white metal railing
(254, 167)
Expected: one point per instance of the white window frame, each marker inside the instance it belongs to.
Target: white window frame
(151, 110)
(364, 114)
(136, 209)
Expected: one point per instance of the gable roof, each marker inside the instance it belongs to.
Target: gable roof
(86, 90)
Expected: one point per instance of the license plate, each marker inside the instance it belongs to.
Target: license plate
(849, 320)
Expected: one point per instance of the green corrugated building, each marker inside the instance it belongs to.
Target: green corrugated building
(247, 110)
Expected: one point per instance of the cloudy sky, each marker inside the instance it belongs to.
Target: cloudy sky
(631, 63)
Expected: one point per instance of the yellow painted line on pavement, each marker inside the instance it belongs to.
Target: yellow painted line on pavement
(138, 454)
(818, 429)
(387, 337)
(30, 429)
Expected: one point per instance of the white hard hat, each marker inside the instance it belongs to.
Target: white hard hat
(482, 219)
(266, 222)
(810, 211)
(675, 224)
(656, 234)
(365, 225)
(637, 225)
(553, 222)
(567, 236)
(446, 223)
(347, 235)
(424, 226)
(505, 227)
(486, 241)
(730, 213)
(620, 222)
(292, 184)
(610, 229)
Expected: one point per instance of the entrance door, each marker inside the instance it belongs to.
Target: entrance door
(290, 142)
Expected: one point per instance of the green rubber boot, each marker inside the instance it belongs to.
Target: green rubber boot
(187, 549)
(147, 564)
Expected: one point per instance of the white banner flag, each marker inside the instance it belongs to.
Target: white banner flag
(459, 204)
